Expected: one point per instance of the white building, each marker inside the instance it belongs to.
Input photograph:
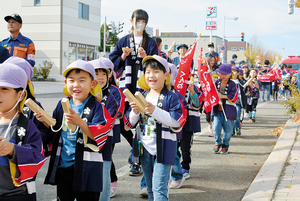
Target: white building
(62, 30)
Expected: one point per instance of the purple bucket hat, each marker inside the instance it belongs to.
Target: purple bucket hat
(22, 63)
(82, 65)
(241, 71)
(225, 69)
(105, 63)
(236, 68)
(12, 76)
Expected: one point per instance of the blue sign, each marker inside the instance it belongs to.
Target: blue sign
(223, 48)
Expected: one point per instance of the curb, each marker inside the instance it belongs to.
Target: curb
(264, 184)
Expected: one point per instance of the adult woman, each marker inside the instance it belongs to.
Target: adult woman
(128, 62)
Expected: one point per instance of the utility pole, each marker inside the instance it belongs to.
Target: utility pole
(104, 37)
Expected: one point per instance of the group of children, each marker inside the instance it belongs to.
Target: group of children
(81, 164)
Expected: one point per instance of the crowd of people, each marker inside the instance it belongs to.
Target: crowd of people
(160, 133)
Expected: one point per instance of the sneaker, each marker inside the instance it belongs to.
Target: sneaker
(253, 119)
(143, 192)
(264, 100)
(238, 131)
(113, 189)
(217, 149)
(241, 124)
(224, 150)
(210, 131)
(233, 133)
(176, 184)
(135, 170)
(246, 116)
(186, 173)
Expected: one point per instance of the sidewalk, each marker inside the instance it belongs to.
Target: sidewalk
(48, 87)
(279, 177)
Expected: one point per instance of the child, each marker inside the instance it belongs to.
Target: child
(22, 63)
(240, 102)
(161, 53)
(228, 94)
(102, 76)
(252, 92)
(194, 98)
(76, 163)
(128, 65)
(21, 151)
(153, 141)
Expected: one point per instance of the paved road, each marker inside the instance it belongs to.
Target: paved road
(213, 176)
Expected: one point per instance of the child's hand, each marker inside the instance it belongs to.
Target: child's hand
(6, 148)
(125, 54)
(191, 89)
(73, 118)
(142, 52)
(134, 107)
(149, 108)
(40, 117)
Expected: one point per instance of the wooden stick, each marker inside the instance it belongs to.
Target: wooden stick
(171, 47)
(131, 98)
(247, 83)
(37, 109)
(141, 98)
(66, 107)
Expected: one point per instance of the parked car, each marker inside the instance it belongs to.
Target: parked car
(294, 61)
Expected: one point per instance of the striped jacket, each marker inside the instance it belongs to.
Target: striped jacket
(29, 154)
(88, 163)
(125, 67)
(165, 139)
(110, 104)
(120, 98)
(193, 114)
(21, 47)
(229, 104)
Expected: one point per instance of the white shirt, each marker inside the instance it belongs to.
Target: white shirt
(148, 136)
(138, 42)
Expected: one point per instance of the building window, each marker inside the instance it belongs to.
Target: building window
(83, 11)
(241, 49)
(81, 51)
(166, 47)
(37, 2)
(233, 49)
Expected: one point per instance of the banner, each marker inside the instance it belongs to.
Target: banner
(273, 75)
(207, 85)
(184, 70)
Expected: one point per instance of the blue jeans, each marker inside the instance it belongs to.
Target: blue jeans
(266, 88)
(237, 122)
(220, 123)
(157, 176)
(105, 194)
(176, 173)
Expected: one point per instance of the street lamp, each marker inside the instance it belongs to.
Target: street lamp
(227, 18)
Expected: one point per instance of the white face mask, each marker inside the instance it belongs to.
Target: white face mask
(139, 27)
(210, 49)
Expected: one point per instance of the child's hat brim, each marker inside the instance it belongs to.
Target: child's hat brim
(81, 65)
(96, 91)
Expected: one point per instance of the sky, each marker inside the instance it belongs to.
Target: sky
(265, 21)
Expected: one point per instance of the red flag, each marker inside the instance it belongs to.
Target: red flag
(207, 85)
(184, 70)
(273, 75)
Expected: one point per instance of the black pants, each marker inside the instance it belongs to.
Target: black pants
(252, 107)
(64, 180)
(185, 145)
(128, 135)
(113, 175)
(27, 197)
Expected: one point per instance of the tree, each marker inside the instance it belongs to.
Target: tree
(113, 39)
(256, 52)
(167, 34)
(297, 3)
